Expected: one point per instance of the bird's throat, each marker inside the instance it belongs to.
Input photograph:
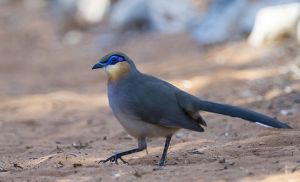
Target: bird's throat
(118, 71)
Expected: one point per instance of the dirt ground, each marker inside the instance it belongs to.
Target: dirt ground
(55, 122)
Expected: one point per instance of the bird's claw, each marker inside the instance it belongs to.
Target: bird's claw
(114, 158)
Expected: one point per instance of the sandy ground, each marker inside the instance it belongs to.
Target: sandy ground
(55, 122)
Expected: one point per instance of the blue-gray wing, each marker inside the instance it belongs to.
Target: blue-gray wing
(155, 101)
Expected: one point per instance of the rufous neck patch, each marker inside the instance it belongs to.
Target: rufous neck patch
(117, 71)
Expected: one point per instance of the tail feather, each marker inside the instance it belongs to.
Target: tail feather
(239, 112)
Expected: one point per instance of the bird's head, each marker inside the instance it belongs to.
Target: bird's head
(116, 64)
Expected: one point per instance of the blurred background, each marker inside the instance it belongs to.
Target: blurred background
(240, 52)
(56, 41)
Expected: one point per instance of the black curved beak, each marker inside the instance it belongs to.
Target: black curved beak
(98, 65)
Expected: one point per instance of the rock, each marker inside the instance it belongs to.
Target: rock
(187, 84)
(229, 19)
(179, 135)
(248, 18)
(223, 160)
(91, 11)
(81, 12)
(274, 22)
(246, 93)
(152, 15)
(294, 110)
(195, 151)
(220, 20)
(171, 16)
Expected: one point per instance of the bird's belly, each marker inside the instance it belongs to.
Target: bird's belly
(139, 128)
(133, 125)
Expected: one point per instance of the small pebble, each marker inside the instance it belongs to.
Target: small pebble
(223, 160)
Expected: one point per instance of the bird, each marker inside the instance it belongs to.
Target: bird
(149, 107)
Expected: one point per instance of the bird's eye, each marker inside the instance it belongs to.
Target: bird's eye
(114, 59)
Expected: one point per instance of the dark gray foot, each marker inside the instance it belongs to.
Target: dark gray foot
(114, 158)
(161, 163)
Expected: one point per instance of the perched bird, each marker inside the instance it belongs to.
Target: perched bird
(149, 107)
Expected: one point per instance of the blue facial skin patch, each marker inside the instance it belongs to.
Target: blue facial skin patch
(114, 59)
(111, 61)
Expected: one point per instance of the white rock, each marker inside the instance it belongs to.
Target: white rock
(92, 11)
(248, 18)
(273, 22)
(187, 83)
(179, 135)
(82, 11)
(288, 89)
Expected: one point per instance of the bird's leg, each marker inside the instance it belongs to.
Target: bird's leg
(142, 145)
(163, 157)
